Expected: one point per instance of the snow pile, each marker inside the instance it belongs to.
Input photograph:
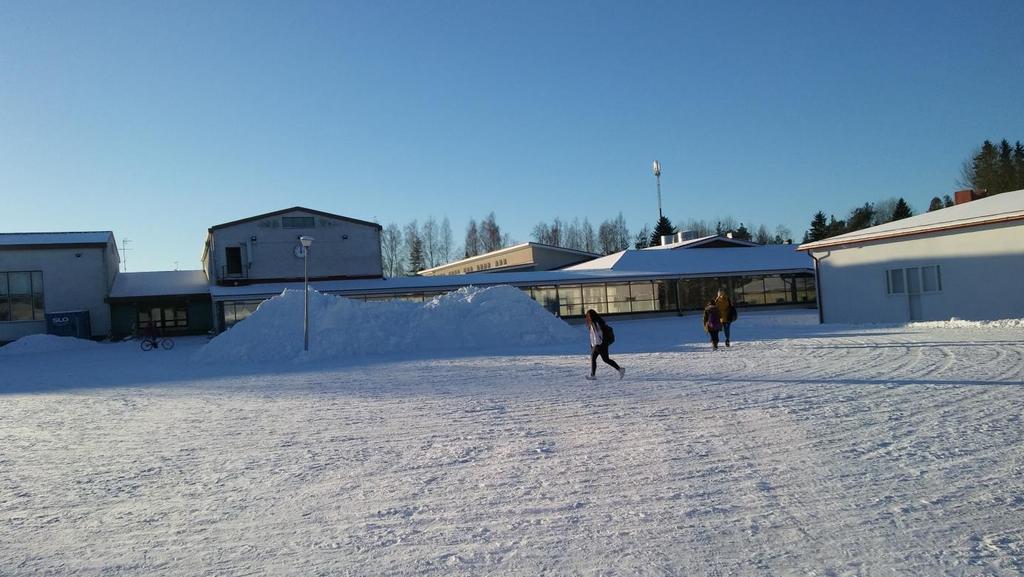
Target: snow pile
(45, 344)
(495, 318)
(955, 323)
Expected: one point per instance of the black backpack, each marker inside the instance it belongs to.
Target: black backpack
(732, 313)
(607, 334)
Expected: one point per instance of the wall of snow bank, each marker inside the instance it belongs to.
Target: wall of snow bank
(45, 344)
(499, 318)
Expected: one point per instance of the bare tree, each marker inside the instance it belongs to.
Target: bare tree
(428, 236)
(783, 234)
(762, 236)
(589, 237)
(392, 251)
(573, 236)
(444, 242)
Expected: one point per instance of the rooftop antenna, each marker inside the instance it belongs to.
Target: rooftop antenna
(657, 175)
(124, 257)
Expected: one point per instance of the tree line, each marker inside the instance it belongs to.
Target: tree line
(991, 169)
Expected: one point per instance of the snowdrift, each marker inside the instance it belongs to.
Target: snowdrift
(499, 319)
(46, 344)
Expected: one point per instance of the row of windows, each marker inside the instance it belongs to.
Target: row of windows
(628, 297)
(21, 296)
(163, 318)
(913, 280)
(484, 266)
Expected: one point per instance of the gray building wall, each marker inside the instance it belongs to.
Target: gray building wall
(341, 248)
(982, 272)
(74, 278)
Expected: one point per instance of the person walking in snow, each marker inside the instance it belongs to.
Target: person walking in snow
(601, 336)
(712, 323)
(726, 312)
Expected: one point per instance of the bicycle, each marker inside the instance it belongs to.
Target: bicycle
(150, 343)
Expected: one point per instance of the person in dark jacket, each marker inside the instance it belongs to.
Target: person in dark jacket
(724, 312)
(599, 342)
(712, 323)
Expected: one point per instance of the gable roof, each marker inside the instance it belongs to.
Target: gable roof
(757, 259)
(1005, 207)
(704, 240)
(294, 209)
(56, 239)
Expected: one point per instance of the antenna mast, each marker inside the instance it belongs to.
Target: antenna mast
(657, 175)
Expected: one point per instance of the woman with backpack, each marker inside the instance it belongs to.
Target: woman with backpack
(726, 312)
(712, 323)
(601, 336)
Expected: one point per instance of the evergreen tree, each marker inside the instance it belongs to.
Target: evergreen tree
(819, 228)
(663, 228)
(836, 227)
(742, 233)
(860, 217)
(935, 204)
(947, 201)
(902, 210)
(416, 256)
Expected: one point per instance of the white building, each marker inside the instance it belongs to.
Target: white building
(965, 261)
(67, 274)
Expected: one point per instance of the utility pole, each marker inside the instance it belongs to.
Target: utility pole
(124, 257)
(657, 175)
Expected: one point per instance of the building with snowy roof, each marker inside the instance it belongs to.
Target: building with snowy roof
(525, 256)
(55, 278)
(964, 261)
(627, 282)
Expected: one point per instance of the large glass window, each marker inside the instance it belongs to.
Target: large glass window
(805, 289)
(750, 290)
(547, 296)
(913, 280)
(21, 296)
(775, 290)
(618, 298)
(594, 297)
(643, 296)
(570, 300)
(666, 295)
(931, 279)
(237, 311)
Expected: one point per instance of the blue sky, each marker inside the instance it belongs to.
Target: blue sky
(159, 119)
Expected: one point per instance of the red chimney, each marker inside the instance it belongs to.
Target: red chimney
(962, 196)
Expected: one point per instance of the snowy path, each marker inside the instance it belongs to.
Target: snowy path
(803, 450)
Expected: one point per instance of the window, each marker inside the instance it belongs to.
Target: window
(594, 297)
(914, 280)
(642, 294)
(21, 296)
(570, 299)
(895, 282)
(238, 311)
(618, 298)
(297, 222)
(234, 260)
(931, 280)
(547, 296)
(164, 318)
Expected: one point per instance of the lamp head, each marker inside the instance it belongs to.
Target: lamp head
(306, 241)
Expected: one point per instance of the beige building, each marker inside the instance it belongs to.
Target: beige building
(528, 256)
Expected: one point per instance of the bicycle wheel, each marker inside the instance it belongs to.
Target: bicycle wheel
(146, 344)
(166, 344)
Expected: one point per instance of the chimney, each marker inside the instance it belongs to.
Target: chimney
(728, 235)
(963, 196)
(668, 239)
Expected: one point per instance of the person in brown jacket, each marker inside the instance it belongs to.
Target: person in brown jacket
(725, 309)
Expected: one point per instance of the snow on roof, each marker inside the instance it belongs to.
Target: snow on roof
(695, 242)
(618, 267)
(780, 257)
(55, 238)
(160, 283)
(995, 208)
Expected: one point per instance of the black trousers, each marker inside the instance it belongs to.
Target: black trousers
(714, 338)
(602, 351)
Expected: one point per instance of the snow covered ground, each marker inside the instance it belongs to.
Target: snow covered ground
(801, 450)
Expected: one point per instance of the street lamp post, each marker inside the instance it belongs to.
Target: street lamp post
(306, 241)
